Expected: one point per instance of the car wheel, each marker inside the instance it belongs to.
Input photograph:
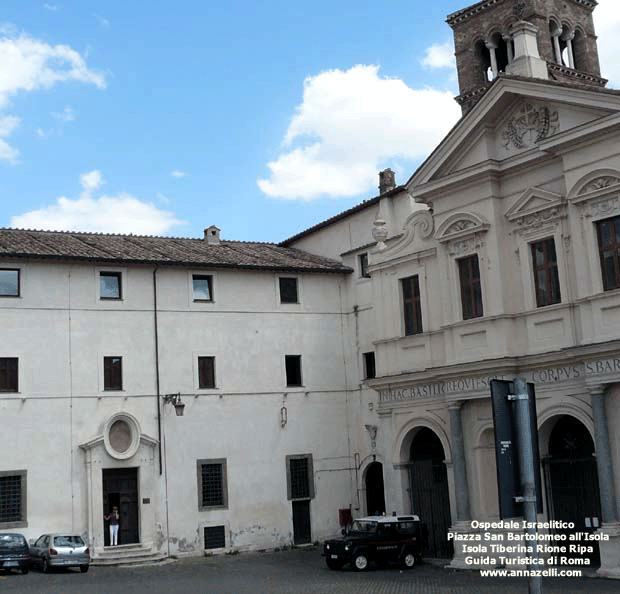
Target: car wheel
(408, 560)
(83, 568)
(25, 570)
(46, 567)
(334, 563)
(360, 562)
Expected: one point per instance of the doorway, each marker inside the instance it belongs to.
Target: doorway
(301, 522)
(375, 495)
(120, 489)
(428, 480)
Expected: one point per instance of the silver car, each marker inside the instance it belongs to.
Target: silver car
(60, 550)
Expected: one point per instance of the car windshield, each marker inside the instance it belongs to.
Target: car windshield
(11, 541)
(364, 526)
(68, 541)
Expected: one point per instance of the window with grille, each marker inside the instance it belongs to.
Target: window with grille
(288, 290)
(299, 475)
(608, 232)
(8, 374)
(112, 373)
(9, 282)
(212, 487)
(471, 290)
(215, 537)
(206, 372)
(545, 265)
(13, 499)
(412, 308)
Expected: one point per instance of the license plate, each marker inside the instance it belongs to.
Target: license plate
(11, 564)
(334, 556)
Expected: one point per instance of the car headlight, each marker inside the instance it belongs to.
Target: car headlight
(327, 547)
(346, 547)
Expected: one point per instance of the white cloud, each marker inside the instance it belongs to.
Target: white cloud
(51, 7)
(439, 55)
(348, 124)
(177, 173)
(122, 213)
(102, 20)
(607, 25)
(7, 152)
(67, 115)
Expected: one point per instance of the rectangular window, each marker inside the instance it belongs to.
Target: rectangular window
(412, 308)
(9, 282)
(608, 232)
(215, 537)
(545, 265)
(471, 291)
(13, 499)
(363, 261)
(369, 366)
(292, 364)
(112, 373)
(202, 285)
(110, 286)
(288, 290)
(206, 372)
(299, 477)
(8, 374)
(212, 486)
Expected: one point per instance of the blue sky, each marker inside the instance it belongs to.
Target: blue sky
(263, 118)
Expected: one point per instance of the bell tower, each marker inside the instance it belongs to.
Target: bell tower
(543, 39)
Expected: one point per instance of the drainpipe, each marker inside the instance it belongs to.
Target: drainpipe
(157, 367)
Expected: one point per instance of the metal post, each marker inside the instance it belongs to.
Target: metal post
(528, 481)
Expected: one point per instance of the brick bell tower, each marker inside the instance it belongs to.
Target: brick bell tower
(543, 39)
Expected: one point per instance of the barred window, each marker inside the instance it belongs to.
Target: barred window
(215, 537)
(8, 374)
(13, 499)
(299, 477)
(212, 487)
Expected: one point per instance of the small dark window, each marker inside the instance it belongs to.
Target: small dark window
(202, 285)
(546, 280)
(608, 232)
(471, 291)
(411, 305)
(110, 285)
(9, 282)
(206, 372)
(363, 259)
(112, 373)
(369, 365)
(13, 499)
(8, 374)
(212, 487)
(215, 537)
(288, 290)
(293, 370)
(299, 475)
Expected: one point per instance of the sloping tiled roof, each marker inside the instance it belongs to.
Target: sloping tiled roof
(172, 251)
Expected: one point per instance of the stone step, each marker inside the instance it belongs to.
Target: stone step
(127, 555)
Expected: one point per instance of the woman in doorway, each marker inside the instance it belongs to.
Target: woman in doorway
(113, 517)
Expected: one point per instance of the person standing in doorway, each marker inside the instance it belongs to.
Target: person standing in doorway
(113, 517)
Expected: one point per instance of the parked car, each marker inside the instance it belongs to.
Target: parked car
(14, 552)
(60, 550)
(379, 539)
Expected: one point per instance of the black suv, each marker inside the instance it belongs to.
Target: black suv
(377, 538)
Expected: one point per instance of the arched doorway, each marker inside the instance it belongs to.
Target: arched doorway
(375, 495)
(428, 480)
(572, 479)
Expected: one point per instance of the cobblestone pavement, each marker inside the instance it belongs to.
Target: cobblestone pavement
(297, 571)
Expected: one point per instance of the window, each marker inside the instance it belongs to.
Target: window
(299, 477)
(212, 486)
(206, 372)
(288, 290)
(363, 261)
(8, 374)
(369, 366)
(545, 265)
(9, 282)
(608, 232)
(13, 499)
(215, 537)
(110, 285)
(202, 285)
(292, 364)
(471, 292)
(411, 305)
(112, 373)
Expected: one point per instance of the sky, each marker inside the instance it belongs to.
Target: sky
(263, 117)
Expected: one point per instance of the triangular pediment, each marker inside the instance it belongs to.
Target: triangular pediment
(533, 200)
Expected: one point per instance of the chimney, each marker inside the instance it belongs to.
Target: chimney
(386, 181)
(212, 235)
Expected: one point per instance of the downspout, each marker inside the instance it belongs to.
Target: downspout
(157, 389)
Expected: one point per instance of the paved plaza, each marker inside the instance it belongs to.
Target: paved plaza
(296, 571)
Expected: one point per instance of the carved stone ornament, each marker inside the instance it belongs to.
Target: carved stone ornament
(463, 247)
(537, 219)
(530, 125)
(461, 225)
(605, 181)
(380, 233)
(606, 208)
